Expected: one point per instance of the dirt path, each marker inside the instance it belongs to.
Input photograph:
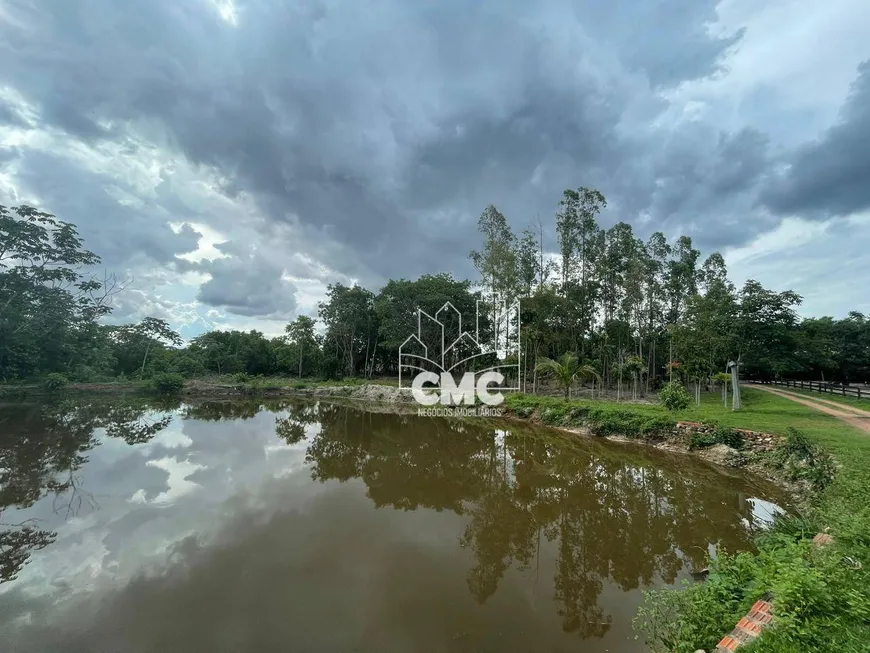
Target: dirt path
(860, 412)
(858, 418)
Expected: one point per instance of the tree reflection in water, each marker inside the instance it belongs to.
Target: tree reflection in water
(613, 515)
(617, 515)
(42, 447)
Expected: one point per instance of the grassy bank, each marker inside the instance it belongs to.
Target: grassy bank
(821, 595)
(236, 383)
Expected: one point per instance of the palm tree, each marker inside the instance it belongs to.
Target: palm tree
(563, 370)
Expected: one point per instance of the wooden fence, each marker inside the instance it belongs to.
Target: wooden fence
(817, 386)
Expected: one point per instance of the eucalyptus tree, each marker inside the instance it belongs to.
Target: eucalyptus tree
(580, 245)
(497, 261)
(681, 277)
(657, 252)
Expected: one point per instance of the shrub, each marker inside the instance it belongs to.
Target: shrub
(167, 382)
(802, 459)
(718, 434)
(241, 377)
(674, 396)
(702, 440)
(727, 435)
(54, 382)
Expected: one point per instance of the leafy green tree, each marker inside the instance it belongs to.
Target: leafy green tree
(674, 396)
(154, 331)
(765, 330)
(580, 245)
(48, 307)
(723, 380)
(303, 338)
(351, 328)
(681, 278)
(396, 307)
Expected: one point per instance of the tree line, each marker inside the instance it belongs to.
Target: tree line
(633, 313)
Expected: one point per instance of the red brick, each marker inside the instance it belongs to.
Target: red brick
(762, 606)
(762, 618)
(750, 627)
(729, 643)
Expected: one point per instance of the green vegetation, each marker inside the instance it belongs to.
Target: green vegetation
(567, 371)
(602, 418)
(717, 435)
(821, 603)
(631, 314)
(54, 382)
(674, 396)
(168, 383)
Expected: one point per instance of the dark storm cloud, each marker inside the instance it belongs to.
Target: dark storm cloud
(247, 284)
(706, 183)
(831, 176)
(117, 232)
(387, 130)
(669, 40)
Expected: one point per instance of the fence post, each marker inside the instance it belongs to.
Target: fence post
(844, 390)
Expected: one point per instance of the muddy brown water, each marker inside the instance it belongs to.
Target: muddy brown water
(315, 527)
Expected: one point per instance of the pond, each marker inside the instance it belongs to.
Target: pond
(239, 526)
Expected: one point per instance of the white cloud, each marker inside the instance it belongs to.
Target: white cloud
(825, 262)
(792, 69)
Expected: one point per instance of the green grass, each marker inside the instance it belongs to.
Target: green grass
(840, 399)
(762, 411)
(821, 603)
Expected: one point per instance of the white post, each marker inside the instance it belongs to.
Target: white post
(735, 384)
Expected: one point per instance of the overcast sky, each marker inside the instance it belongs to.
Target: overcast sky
(236, 156)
